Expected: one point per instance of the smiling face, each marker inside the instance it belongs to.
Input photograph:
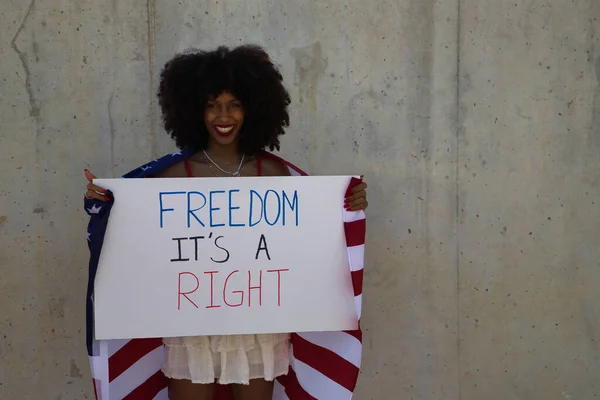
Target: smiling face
(224, 117)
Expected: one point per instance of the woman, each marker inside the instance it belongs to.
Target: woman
(229, 106)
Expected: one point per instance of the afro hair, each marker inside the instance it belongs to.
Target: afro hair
(191, 79)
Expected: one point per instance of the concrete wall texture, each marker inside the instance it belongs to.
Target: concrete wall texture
(476, 123)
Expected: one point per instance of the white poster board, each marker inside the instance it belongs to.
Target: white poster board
(209, 256)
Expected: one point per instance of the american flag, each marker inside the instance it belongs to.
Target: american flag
(324, 365)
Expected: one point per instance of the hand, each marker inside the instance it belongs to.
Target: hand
(357, 200)
(94, 191)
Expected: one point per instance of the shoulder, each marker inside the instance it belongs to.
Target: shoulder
(273, 167)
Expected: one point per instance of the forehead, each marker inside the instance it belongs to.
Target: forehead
(224, 97)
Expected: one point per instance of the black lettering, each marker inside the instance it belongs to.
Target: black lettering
(195, 239)
(262, 245)
(225, 250)
(179, 250)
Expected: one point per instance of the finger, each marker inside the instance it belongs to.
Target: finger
(359, 187)
(358, 207)
(88, 175)
(96, 188)
(356, 196)
(357, 202)
(90, 194)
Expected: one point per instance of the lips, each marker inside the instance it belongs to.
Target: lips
(224, 130)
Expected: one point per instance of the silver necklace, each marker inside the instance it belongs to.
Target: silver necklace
(235, 173)
(220, 176)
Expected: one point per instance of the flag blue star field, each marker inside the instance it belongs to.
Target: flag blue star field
(324, 365)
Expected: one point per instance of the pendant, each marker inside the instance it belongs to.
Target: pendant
(236, 173)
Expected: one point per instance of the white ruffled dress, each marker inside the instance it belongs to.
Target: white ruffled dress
(227, 359)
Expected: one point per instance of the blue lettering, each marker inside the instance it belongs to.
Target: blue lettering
(278, 207)
(293, 205)
(231, 208)
(252, 193)
(192, 212)
(214, 208)
(162, 210)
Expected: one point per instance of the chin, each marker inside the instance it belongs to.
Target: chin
(224, 140)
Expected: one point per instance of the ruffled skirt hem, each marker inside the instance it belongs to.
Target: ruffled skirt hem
(232, 359)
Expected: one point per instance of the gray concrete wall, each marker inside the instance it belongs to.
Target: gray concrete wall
(476, 123)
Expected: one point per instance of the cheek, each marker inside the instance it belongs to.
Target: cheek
(239, 115)
(208, 117)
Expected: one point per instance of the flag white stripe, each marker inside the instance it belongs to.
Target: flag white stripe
(279, 392)
(318, 385)
(353, 216)
(293, 172)
(137, 374)
(356, 255)
(358, 305)
(162, 395)
(344, 345)
(99, 367)
(104, 382)
(115, 345)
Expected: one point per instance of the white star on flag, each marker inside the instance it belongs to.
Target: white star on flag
(88, 237)
(145, 168)
(176, 154)
(94, 209)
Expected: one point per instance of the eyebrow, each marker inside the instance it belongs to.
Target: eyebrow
(230, 101)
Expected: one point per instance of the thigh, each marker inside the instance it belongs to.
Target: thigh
(183, 389)
(258, 389)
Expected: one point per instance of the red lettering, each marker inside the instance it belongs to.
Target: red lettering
(241, 292)
(255, 284)
(212, 285)
(278, 283)
(180, 293)
(259, 287)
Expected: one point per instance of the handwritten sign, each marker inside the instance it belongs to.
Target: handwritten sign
(209, 256)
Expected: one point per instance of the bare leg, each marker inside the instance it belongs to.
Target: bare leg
(182, 389)
(258, 389)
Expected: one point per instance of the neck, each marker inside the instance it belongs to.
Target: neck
(225, 154)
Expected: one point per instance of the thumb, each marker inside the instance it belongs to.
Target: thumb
(89, 176)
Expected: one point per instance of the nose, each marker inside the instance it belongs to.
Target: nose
(223, 111)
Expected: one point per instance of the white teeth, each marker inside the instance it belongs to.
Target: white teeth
(224, 130)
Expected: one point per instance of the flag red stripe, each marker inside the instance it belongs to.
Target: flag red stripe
(129, 354)
(326, 362)
(357, 281)
(96, 383)
(149, 389)
(355, 232)
(353, 182)
(292, 387)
